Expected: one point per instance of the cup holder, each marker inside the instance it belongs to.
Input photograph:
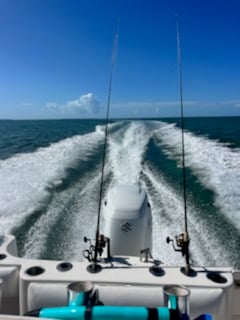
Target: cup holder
(35, 271)
(3, 256)
(157, 271)
(216, 277)
(64, 266)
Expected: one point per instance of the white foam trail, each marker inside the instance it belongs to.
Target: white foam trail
(166, 215)
(168, 220)
(101, 128)
(78, 222)
(126, 150)
(25, 178)
(216, 165)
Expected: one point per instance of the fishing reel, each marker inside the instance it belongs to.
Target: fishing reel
(182, 245)
(89, 253)
(102, 242)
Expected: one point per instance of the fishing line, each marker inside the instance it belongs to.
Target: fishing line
(113, 62)
(182, 124)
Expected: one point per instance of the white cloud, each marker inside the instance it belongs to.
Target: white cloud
(155, 104)
(85, 104)
(159, 105)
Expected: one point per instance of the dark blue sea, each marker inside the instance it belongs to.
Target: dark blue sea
(50, 177)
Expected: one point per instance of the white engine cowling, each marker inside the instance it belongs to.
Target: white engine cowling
(128, 220)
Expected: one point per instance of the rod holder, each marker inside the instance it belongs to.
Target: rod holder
(177, 298)
(79, 293)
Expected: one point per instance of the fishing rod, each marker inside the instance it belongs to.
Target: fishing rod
(182, 124)
(99, 241)
(182, 240)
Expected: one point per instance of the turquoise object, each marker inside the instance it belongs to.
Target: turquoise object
(63, 313)
(173, 302)
(102, 313)
(78, 301)
(119, 313)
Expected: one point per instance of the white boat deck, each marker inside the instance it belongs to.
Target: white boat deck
(125, 281)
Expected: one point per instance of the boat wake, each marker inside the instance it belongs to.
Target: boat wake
(50, 197)
(215, 165)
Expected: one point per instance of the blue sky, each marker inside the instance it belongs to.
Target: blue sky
(55, 58)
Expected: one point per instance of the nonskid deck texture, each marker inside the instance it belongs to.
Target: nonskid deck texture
(32, 284)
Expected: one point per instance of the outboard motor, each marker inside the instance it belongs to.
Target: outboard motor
(128, 220)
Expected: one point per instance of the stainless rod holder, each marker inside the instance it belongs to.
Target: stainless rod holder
(79, 293)
(177, 298)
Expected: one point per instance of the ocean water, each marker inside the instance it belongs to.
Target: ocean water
(50, 177)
